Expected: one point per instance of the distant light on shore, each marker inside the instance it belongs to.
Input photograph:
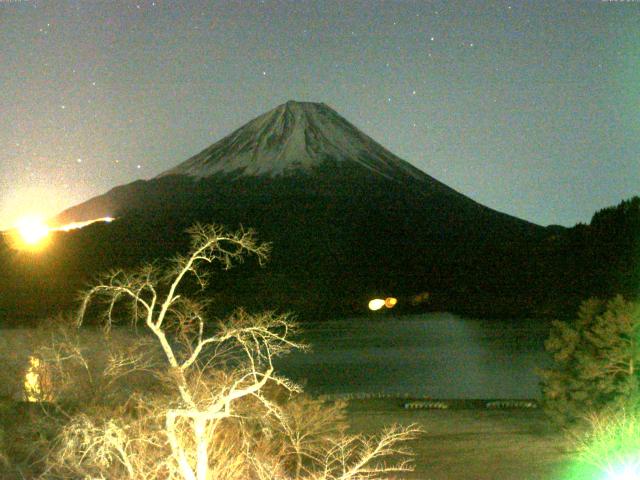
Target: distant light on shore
(378, 303)
(33, 234)
(77, 225)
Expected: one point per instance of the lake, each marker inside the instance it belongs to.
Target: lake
(437, 355)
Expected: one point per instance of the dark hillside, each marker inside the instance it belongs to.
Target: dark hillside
(348, 221)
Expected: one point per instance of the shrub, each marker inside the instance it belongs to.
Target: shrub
(595, 360)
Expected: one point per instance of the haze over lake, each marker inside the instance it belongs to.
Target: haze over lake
(438, 355)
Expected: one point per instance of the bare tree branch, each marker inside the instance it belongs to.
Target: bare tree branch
(217, 376)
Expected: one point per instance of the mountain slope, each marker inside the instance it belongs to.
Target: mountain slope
(347, 219)
(294, 137)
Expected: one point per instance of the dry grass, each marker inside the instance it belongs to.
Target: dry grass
(102, 431)
(471, 444)
(457, 444)
(53, 340)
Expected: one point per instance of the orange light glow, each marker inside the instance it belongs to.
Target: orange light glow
(390, 302)
(420, 298)
(32, 232)
(378, 303)
(37, 382)
(77, 225)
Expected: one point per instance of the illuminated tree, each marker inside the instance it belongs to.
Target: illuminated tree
(213, 411)
(596, 360)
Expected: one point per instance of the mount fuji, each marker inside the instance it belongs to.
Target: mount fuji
(348, 220)
(293, 139)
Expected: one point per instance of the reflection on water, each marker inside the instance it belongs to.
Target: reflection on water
(437, 355)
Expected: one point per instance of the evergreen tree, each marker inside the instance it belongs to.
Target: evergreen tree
(596, 360)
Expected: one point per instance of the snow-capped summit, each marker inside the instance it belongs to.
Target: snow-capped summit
(293, 138)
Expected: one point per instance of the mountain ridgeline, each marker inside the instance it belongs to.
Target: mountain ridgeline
(347, 219)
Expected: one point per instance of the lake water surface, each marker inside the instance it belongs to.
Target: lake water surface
(437, 355)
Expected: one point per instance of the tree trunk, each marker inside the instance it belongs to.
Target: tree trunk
(202, 466)
(183, 463)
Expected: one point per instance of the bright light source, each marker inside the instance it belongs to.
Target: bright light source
(32, 231)
(77, 225)
(627, 471)
(376, 304)
(37, 382)
(390, 302)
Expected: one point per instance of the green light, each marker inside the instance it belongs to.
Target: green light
(611, 450)
(627, 471)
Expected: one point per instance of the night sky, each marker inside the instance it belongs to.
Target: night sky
(531, 108)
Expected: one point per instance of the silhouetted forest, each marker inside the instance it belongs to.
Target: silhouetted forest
(326, 262)
(601, 259)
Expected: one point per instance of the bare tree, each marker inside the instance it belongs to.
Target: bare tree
(221, 377)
